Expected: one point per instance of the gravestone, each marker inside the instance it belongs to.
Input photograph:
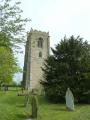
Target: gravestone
(69, 100)
(34, 105)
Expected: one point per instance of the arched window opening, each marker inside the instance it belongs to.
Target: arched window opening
(40, 43)
(40, 54)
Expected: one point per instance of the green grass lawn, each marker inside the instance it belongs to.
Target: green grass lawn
(12, 108)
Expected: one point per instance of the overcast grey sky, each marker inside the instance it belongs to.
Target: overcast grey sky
(59, 17)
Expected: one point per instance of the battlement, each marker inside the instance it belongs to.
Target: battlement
(38, 32)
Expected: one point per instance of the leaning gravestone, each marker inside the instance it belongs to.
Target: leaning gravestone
(69, 100)
(34, 105)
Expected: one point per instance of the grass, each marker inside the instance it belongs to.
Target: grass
(59, 112)
(12, 108)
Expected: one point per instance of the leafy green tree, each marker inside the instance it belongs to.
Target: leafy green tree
(69, 66)
(4, 40)
(8, 66)
(12, 31)
(8, 63)
(11, 21)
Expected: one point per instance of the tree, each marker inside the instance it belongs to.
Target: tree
(12, 31)
(69, 66)
(8, 66)
(8, 63)
(4, 40)
(11, 21)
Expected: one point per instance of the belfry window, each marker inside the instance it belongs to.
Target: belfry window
(40, 54)
(40, 43)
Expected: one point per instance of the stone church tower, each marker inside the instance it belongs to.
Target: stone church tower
(36, 51)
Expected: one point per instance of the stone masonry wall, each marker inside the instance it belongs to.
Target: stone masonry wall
(36, 62)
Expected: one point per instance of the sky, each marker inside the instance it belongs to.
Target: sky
(58, 17)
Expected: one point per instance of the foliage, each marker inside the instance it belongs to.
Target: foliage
(8, 66)
(8, 63)
(11, 21)
(69, 66)
(34, 107)
(12, 31)
(4, 40)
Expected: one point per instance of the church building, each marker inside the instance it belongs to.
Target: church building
(36, 51)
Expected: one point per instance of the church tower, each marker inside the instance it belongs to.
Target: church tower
(36, 51)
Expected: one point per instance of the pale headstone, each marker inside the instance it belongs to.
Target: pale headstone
(69, 100)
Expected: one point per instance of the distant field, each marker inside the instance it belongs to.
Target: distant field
(12, 108)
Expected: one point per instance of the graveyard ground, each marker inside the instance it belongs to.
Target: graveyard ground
(12, 108)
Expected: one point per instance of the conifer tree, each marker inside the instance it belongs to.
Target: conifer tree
(69, 66)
